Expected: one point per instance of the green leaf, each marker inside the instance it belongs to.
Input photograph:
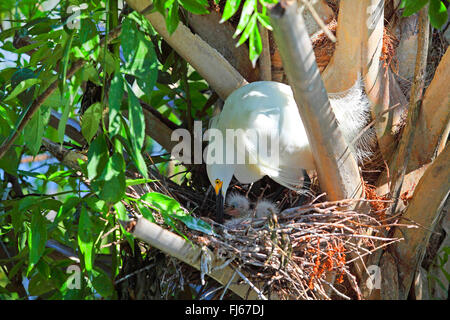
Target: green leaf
(134, 182)
(21, 87)
(34, 130)
(37, 237)
(231, 6)
(248, 31)
(247, 10)
(96, 204)
(413, 6)
(114, 177)
(89, 39)
(194, 223)
(64, 98)
(172, 19)
(121, 211)
(115, 101)
(91, 120)
(10, 161)
(265, 21)
(86, 238)
(69, 207)
(255, 45)
(137, 130)
(140, 57)
(437, 13)
(146, 213)
(39, 284)
(98, 157)
(195, 6)
(102, 284)
(170, 208)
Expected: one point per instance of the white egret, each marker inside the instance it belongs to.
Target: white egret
(262, 111)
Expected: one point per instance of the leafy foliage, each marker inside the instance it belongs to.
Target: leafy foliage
(44, 202)
(437, 11)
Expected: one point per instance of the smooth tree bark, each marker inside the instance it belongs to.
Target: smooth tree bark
(336, 167)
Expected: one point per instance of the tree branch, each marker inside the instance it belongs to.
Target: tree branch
(188, 253)
(433, 125)
(336, 167)
(400, 160)
(424, 209)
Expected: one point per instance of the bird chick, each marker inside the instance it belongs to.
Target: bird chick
(238, 207)
(265, 208)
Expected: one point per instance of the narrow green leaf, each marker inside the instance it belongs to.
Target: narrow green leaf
(140, 57)
(34, 130)
(265, 21)
(134, 182)
(37, 237)
(96, 204)
(86, 238)
(248, 31)
(21, 87)
(97, 156)
(255, 45)
(90, 121)
(172, 19)
(115, 101)
(231, 7)
(64, 98)
(247, 10)
(437, 13)
(137, 120)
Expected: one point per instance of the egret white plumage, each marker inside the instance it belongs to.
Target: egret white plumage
(263, 110)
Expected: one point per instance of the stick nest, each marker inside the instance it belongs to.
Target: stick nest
(298, 253)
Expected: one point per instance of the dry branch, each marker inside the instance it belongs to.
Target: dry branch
(211, 65)
(336, 167)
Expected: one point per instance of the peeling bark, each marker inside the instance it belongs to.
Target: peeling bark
(424, 209)
(433, 125)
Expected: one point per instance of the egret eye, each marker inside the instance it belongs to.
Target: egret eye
(217, 181)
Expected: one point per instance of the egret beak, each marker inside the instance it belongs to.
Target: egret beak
(219, 201)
